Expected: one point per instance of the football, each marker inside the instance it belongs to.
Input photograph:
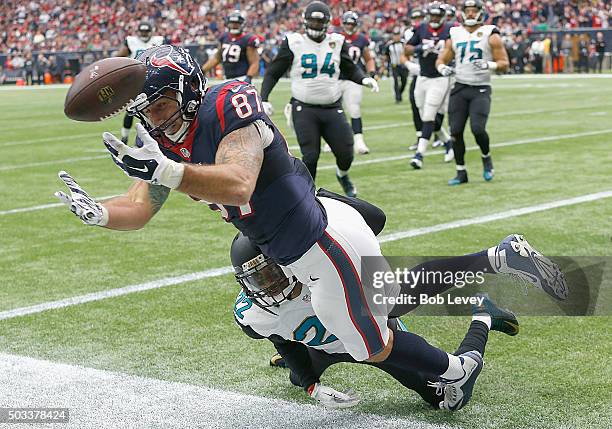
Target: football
(104, 89)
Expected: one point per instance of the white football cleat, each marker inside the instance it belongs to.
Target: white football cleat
(326, 148)
(360, 146)
(458, 392)
(437, 143)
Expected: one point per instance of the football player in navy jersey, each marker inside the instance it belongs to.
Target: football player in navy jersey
(352, 93)
(219, 147)
(432, 89)
(237, 51)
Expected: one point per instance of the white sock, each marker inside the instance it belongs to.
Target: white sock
(485, 156)
(484, 318)
(422, 146)
(125, 132)
(460, 167)
(419, 134)
(455, 369)
(442, 133)
(341, 173)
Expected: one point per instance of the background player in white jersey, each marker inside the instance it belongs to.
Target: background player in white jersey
(432, 89)
(134, 46)
(478, 50)
(315, 60)
(352, 93)
(274, 305)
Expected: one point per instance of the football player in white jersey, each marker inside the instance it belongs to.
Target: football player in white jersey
(132, 47)
(274, 305)
(478, 51)
(315, 60)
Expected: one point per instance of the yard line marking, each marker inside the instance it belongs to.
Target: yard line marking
(216, 272)
(50, 139)
(45, 206)
(101, 398)
(494, 217)
(389, 158)
(43, 163)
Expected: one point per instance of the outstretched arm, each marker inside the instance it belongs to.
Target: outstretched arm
(212, 61)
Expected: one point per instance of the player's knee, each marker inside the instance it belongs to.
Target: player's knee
(479, 130)
(385, 352)
(354, 110)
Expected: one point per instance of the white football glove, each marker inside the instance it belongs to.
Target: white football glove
(413, 68)
(331, 398)
(80, 203)
(484, 65)
(371, 83)
(267, 107)
(445, 70)
(147, 163)
(428, 47)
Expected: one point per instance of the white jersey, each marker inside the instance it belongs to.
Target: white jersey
(137, 46)
(316, 68)
(295, 321)
(469, 47)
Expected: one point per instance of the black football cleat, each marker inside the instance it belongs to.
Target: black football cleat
(459, 179)
(502, 320)
(124, 140)
(487, 168)
(347, 186)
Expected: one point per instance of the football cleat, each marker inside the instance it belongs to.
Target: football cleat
(360, 146)
(449, 154)
(326, 148)
(459, 179)
(515, 256)
(458, 392)
(124, 140)
(278, 361)
(502, 320)
(437, 143)
(347, 186)
(413, 146)
(417, 161)
(487, 165)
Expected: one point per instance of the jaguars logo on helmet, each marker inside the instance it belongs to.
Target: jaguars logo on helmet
(316, 20)
(170, 68)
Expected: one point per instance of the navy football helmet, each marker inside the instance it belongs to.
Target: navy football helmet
(436, 13)
(316, 20)
(235, 22)
(350, 20)
(263, 281)
(170, 68)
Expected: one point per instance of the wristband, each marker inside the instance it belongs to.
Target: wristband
(104, 219)
(492, 65)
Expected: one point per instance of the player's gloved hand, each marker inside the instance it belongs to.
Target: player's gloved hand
(445, 70)
(268, 109)
(147, 163)
(484, 65)
(370, 83)
(331, 398)
(428, 47)
(80, 203)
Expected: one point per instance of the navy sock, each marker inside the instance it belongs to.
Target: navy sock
(356, 125)
(413, 353)
(427, 130)
(439, 121)
(475, 339)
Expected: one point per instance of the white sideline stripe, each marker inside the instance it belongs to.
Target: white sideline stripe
(51, 139)
(216, 272)
(44, 206)
(494, 217)
(108, 399)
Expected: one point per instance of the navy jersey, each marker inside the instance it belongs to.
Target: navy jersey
(432, 42)
(283, 217)
(233, 53)
(356, 44)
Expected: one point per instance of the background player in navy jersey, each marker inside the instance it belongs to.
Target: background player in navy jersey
(237, 50)
(352, 93)
(219, 147)
(432, 89)
(134, 46)
(416, 15)
(315, 61)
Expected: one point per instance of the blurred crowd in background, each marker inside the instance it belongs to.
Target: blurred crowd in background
(58, 37)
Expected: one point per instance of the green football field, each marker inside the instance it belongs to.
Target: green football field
(155, 306)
